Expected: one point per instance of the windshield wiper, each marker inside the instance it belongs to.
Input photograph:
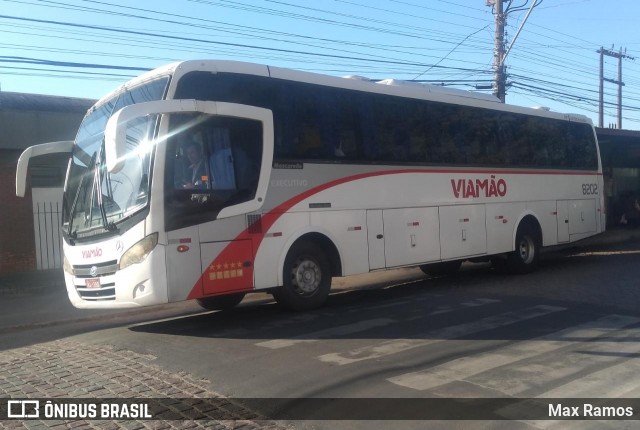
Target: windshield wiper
(109, 226)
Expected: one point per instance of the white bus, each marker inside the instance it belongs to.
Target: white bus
(208, 180)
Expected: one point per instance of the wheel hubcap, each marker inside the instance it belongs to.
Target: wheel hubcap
(307, 276)
(527, 250)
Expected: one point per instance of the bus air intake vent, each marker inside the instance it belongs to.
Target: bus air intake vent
(255, 224)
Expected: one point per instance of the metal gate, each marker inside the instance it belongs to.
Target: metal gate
(47, 218)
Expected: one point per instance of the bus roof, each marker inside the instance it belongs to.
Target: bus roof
(394, 87)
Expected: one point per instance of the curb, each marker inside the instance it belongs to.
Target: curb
(31, 282)
(614, 237)
(14, 290)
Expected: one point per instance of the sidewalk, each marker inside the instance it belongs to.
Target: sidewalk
(612, 236)
(31, 282)
(39, 298)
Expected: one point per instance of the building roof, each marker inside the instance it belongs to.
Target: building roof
(618, 133)
(43, 103)
(30, 119)
(619, 148)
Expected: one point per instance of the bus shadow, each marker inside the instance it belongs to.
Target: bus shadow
(416, 309)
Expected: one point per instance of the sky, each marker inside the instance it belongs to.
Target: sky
(86, 48)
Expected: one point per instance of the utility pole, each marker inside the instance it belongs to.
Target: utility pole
(601, 90)
(619, 55)
(499, 75)
(499, 55)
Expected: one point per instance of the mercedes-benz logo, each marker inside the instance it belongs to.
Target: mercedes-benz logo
(93, 271)
(119, 246)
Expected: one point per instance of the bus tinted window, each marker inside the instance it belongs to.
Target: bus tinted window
(319, 123)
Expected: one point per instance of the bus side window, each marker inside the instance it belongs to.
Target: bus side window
(368, 150)
(234, 154)
(177, 165)
(306, 142)
(581, 151)
(417, 141)
(246, 143)
(187, 164)
(506, 138)
(540, 133)
(349, 139)
(449, 135)
(221, 160)
(284, 122)
(490, 152)
(391, 139)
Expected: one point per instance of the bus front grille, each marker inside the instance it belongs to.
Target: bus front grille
(90, 281)
(105, 292)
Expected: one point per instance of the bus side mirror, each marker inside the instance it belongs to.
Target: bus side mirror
(115, 133)
(34, 151)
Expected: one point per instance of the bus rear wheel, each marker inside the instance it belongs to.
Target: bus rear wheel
(306, 278)
(221, 303)
(526, 256)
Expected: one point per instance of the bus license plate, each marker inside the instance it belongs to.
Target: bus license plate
(92, 283)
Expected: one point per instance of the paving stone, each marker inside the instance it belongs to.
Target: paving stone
(69, 369)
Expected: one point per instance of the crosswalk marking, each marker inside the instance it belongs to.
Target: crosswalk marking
(526, 377)
(420, 298)
(368, 324)
(468, 304)
(466, 367)
(451, 332)
(326, 333)
(619, 380)
(445, 309)
(383, 306)
(613, 381)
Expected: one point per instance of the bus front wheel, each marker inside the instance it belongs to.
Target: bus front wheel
(527, 253)
(221, 303)
(306, 278)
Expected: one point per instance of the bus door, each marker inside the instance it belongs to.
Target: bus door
(216, 170)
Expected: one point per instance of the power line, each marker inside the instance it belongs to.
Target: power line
(448, 53)
(238, 45)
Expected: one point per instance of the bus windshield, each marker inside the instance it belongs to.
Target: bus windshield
(95, 201)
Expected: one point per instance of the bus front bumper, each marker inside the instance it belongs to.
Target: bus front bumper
(143, 284)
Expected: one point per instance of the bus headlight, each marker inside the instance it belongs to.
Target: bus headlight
(138, 252)
(66, 266)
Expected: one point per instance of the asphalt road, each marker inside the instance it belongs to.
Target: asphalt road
(570, 330)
